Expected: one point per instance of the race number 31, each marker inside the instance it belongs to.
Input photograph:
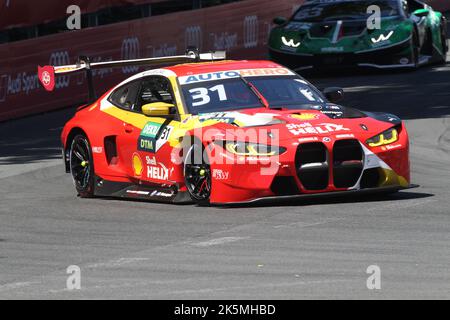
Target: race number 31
(201, 96)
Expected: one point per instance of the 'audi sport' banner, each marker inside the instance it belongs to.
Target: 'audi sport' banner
(240, 28)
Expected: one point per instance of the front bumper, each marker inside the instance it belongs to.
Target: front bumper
(319, 196)
(314, 169)
(395, 56)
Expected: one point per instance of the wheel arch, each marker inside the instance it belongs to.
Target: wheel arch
(67, 144)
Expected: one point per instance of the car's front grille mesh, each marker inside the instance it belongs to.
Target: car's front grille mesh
(347, 163)
(313, 164)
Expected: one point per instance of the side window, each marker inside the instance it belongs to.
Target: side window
(154, 89)
(125, 96)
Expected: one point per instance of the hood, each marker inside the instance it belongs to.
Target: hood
(338, 36)
(331, 121)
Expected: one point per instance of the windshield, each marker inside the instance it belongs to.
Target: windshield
(287, 92)
(354, 10)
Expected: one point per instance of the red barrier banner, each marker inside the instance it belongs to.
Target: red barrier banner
(440, 5)
(240, 28)
(23, 13)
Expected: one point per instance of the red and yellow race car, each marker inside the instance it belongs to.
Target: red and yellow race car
(226, 132)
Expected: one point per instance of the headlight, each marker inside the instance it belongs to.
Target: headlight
(382, 37)
(290, 43)
(250, 149)
(387, 137)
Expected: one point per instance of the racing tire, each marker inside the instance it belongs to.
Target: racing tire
(82, 166)
(197, 173)
(415, 50)
(444, 43)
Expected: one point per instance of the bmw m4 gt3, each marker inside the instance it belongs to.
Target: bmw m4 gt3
(223, 132)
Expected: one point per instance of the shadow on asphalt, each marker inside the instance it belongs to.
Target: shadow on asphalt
(399, 196)
(33, 139)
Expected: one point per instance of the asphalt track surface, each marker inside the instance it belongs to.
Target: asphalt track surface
(303, 250)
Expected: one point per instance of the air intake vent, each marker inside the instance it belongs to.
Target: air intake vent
(284, 186)
(312, 166)
(347, 163)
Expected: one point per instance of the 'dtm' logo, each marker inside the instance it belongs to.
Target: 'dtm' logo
(74, 20)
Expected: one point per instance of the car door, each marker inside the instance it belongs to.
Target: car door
(151, 156)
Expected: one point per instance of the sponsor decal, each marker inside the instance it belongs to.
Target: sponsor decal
(150, 161)
(162, 194)
(309, 139)
(332, 49)
(137, 192)
(326, 139)
(364, 127)
(219, 116)
(149, 141)
(234, 74)
(97, 149)
(150, 130)
(47, 77)
(308, 128)
(345, 136)
(137, 165)
(219, 174)
(393, 146)
(404, 61)
(158, 172)
(333, 114)
(306, 116)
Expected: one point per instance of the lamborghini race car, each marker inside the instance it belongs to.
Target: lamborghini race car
(227, 132)
(343, 33)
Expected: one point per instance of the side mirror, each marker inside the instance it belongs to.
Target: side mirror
(279, 21)
(421, 13)
(334, 94)
(157, 109)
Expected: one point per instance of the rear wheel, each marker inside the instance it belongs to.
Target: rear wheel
(82, 166)
(197, 174)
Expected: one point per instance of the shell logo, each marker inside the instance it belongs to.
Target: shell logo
(306, 116)
(137, 165)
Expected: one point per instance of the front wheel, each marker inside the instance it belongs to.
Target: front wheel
(415, 50)
(82, 166)
(197, 174)
(444, 41)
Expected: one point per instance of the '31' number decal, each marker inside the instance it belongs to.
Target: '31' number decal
(201, 96)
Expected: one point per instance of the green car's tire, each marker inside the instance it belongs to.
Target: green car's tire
(444, 43)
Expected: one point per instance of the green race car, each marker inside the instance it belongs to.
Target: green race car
(342, 33)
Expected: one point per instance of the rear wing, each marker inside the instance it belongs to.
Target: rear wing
(47, 74)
